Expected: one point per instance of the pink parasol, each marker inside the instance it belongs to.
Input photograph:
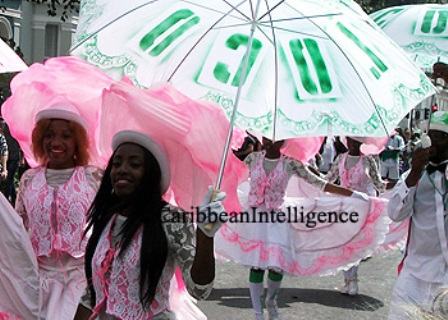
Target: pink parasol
(62, 79)
(192, 134)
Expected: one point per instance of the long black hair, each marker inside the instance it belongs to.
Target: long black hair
(145, 207)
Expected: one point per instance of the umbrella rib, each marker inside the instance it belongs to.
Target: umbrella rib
(292, 31)
(270, 24)
(260, 28)
(113, 21)
(274, 42)
(268, 13)
(187, 54)
(354, 69)
(304, 17)
(234, 7)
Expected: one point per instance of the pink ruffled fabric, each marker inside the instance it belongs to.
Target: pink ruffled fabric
(370, 145)
(192, 134)
(181, 301)
(397, 235)
(324, 249)
(6, 316)
(62, 79)
(302, 149)
(20, 290)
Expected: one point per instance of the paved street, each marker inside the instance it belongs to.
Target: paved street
(310, 297)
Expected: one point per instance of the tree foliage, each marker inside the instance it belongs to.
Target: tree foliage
(370, 6)
(60, 7)
(64, 7)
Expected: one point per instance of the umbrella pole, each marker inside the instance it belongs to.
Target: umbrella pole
(237, 98)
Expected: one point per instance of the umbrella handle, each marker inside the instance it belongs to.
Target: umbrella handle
(209, 226)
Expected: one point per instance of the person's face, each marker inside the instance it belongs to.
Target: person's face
(439, 146)
(353, 146)
(59, 144)
(407, 133)
(128, 169)
(270, 146)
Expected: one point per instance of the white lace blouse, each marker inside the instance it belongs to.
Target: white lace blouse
(181, 238)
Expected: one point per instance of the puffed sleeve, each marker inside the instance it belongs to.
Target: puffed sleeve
(252, 159)
(94, 176)
(333, 173)
(181, 237)
(303, 172)
(374, 173)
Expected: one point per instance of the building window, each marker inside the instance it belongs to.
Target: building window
(51, 40)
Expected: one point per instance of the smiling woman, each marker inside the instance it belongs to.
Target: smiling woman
(135, 243)
(53, 202)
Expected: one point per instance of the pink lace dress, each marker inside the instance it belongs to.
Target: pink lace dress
(364, 176)
(55, 219)
(116, 278)
(293, 236)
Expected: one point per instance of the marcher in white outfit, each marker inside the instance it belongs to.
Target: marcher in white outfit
(270, 172)
(421, 195)
(328, 153)
(357, 172)
(390, 157)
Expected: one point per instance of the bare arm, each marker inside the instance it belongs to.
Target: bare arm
(4, 172)
(82, 313)
(419, 161)
(335, 189)
(304, 172)
(249, 150)
(203, 269)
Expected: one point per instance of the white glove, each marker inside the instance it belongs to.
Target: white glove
(359, 195)
(426, 141)
(212, 214)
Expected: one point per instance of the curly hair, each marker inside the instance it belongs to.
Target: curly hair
(82, 156)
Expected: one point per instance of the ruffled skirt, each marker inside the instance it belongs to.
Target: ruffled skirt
(28, 291)
(308, 236)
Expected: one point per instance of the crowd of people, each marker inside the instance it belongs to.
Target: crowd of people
(105, 243)
(12, 161)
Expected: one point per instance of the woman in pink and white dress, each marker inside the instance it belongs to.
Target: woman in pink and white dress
(357, 172)
(138, 239)
(274, 245)
(53, 202)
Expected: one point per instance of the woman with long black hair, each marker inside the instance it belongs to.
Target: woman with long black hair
(137, 239)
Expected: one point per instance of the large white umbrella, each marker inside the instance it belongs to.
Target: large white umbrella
(420, 29)
(9, 60)
(282, 68)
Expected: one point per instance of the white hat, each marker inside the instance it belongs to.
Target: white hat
(152, 146)
(62, 110)
(439, 121)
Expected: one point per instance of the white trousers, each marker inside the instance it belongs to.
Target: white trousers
(411, 295)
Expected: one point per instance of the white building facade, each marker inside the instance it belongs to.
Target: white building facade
(38, 35)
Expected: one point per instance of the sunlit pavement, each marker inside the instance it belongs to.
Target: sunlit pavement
(307, 297)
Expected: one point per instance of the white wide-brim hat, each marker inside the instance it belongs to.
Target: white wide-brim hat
(129, 136)
(64, 111)
(439, 121)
